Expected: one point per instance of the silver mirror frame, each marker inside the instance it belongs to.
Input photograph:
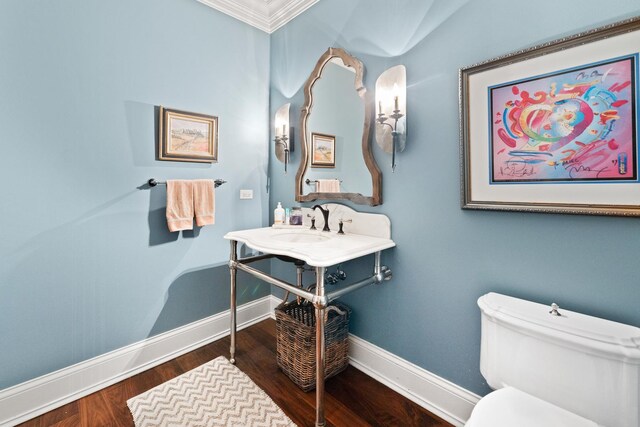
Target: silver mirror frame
(376, 176)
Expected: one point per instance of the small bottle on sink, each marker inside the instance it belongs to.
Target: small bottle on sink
(278, 215)
(296, 216)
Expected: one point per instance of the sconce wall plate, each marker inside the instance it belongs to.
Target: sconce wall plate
(391, 102)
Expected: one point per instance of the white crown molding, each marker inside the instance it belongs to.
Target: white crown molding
(284, 11)
(266, 15)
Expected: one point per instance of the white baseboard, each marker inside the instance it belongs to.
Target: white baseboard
(35, 397)
(275, 301)
(439, 396)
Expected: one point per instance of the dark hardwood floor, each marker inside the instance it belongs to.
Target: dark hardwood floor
(352, 398)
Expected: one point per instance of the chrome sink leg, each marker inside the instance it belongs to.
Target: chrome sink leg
(299, 273)
(233, 270)
(320, 346)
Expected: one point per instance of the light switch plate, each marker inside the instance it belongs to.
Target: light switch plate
(246, 194)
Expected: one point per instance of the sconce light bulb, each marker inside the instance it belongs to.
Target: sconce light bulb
(395, 96)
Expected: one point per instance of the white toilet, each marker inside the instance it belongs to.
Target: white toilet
(570, 370)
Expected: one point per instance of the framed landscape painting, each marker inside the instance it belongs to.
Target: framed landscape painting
(323, 150)
(554, 128)
(187, 137)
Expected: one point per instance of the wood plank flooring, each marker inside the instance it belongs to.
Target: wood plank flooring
(352, 398)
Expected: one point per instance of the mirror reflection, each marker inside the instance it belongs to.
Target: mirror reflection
(336, 161)
(335, 131)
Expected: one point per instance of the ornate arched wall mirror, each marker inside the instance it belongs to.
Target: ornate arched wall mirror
(336, 159)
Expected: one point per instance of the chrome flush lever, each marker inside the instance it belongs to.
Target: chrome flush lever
(554, 310)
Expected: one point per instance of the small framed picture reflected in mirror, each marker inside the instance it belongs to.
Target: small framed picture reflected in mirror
(323, 150)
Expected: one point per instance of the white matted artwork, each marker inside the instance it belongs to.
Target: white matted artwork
(554, 128)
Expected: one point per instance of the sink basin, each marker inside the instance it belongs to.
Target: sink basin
(300, 237)
(316, 248)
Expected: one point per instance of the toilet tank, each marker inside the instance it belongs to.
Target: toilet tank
(587, 365)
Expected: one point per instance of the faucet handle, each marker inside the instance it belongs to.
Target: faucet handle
(341, 222)
(331, 279)
(313, 222)
(554, 310)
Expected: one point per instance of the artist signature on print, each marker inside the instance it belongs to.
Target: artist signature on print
(574, 169)
(517, 170)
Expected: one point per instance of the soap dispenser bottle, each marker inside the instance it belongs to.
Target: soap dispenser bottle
(278, 215)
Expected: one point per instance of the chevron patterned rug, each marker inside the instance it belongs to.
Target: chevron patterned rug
(214, 394)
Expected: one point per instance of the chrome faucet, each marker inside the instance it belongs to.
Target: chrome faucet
(325, 214)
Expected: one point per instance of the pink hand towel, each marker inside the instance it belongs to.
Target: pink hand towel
(180, 205)
(204, 201)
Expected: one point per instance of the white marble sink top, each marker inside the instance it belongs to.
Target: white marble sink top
(316, 248)
(366, 234)
(301, 236)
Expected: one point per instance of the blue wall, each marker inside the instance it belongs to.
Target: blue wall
(446, 257)
(88, 265)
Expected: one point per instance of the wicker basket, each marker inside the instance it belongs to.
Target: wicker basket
(296, 341)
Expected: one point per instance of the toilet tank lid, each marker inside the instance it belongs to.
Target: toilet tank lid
(592, 332)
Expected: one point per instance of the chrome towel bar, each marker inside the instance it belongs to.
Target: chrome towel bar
(152, 182)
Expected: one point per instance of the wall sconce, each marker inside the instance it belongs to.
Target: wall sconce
(284, 137)
(391, 103)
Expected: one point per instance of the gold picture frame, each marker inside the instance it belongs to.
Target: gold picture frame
(323, 150)
(187, 137)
